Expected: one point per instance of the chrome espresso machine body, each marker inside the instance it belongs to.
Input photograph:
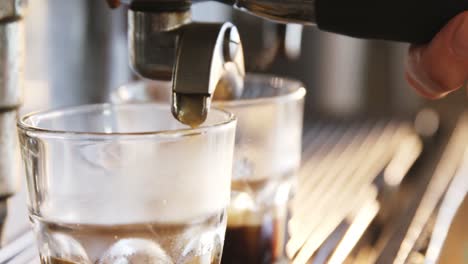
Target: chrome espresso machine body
(11, 80)
(164, 44)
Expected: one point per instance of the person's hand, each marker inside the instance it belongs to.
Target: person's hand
(441, 67)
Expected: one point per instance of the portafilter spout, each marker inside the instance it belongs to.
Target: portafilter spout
(209, 63)
(200, 58)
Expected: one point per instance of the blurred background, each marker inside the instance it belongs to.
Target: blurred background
(76, 53)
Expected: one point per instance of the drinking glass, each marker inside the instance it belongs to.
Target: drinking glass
(266, 158)
(127, 184)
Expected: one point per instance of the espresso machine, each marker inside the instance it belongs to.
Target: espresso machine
(165, 45)
(162, 42)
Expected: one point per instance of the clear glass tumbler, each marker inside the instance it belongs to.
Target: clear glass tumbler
(127, 184)
(266, 158)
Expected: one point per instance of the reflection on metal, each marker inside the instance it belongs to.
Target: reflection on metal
(427, 122)
(293, 40)
(448, 209)
(341, 76)
(404, 158)
(200, 65)
(330, 221)
(11, 52)
(443, 174)
(152, 39)
(209, 63)
(11, 250)
(80, 49)
(283, 11)
(355, 231)
(9, 154)
(11, 62)
(28, 256)
(337, 185)
(12, 8)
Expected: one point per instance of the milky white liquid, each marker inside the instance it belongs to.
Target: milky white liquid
(199, 242)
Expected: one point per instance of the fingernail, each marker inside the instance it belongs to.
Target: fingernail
(460, 43)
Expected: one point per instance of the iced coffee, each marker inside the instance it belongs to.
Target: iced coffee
(127, 184)
(266, 158)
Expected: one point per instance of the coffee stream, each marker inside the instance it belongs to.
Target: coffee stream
(248, 243)
(192, 109)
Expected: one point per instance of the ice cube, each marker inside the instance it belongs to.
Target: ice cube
(65, 247)
(135, 250)
(203, 249)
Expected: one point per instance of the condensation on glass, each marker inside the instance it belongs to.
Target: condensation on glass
(127, 184)
(266, 158)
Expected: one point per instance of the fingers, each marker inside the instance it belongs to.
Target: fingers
(440, 67)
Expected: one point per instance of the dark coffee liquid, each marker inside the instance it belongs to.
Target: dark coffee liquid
(256, 235)
(53, 260)
(190, 109)
(247, 245)
(254, 244)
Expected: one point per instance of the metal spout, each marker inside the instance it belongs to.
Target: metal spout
(200, 58)
(209, 58)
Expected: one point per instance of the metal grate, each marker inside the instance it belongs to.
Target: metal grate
(339, 181)
(345, 170)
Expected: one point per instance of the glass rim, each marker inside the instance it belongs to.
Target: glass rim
(298, 93)
(181, 132)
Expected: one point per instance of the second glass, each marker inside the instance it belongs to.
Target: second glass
(266, 158)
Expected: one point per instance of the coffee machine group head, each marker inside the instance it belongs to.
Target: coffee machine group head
(203, 60)
(165, 44)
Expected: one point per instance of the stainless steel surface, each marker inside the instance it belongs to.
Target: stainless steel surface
(265, 41)
(12, 8)
(449, 206)
(152, 40)
(443, 175)
(23, 242)
(202, 64)
(12, 41)
(283, 11)
(11, 52)
(209, 57)
(197, 57)
(79, 50)
(152, 49)
(9, 154)
(11, 62)
(337, 197)
(28, 256)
